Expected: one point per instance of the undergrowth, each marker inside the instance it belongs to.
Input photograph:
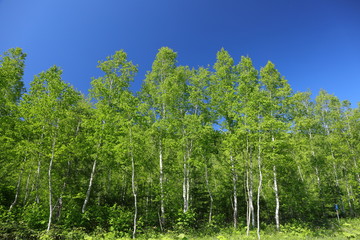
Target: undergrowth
(335, 230)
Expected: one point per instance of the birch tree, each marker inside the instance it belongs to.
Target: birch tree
(157, 94)
(110, 94)
(277, 92)
(48, 103)
(224, 103)
(12, 64)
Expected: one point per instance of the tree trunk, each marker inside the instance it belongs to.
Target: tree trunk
(250, 216)
(185, 186)
(259, 191)
(161, 179)
(249, 186)
(133, 187)
(89, 187)
(186, 181)
(50, 183)
(234, 179)
(17, 187)
(277, 200)
(37, 183)
(210, 194)
(92, 175)
(349, 197)
(26, 189)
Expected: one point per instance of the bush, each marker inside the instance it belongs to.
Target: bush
(185, 220)
(120, 221)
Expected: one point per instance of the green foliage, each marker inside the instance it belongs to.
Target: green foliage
(194, 152)
(185, 220)
(35, 216)
(120, 220)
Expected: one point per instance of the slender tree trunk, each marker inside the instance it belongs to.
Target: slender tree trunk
(135, 196)
(92, 175)
(17, 191)
(250, 211)
(37, 183)
(356, 169)
(89, 187)
(249, 186)
(301, 176)
(337, 184)
(133, 187)
(351, 194)
(259, 191)
(234, 179)
(186, 181)
(349, 197)
(27, 189)
(318, 179)
(276, 191)
(352, 148)
(210, 194)
(50, 184)
(161, 179)
(185, 189)
(63, 190)
(277, 200)
(18, 187)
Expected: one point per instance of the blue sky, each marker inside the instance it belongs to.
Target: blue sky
(314, 43)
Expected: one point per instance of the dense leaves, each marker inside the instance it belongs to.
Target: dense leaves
(195, 148)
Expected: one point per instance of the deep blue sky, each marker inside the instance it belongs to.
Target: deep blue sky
(314, 43)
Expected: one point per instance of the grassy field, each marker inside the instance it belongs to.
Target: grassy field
(346, 229)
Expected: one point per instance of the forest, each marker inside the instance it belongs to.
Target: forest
(194, 150)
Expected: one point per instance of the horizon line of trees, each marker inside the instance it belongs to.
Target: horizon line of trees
(193, 148)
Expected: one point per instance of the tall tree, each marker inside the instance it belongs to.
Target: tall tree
(248, 96)
(224, 103)
(11, 89)
(47, 109)
(276, 121)
(111, 96)
(159, 94)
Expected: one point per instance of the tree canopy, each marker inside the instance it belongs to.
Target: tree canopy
(194, 148)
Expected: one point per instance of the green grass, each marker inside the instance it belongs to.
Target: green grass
(346, 229)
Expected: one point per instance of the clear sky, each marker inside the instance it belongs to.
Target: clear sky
(314, 43)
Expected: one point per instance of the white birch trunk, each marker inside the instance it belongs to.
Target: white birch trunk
(92, 175)
(349, 197)
(50, 183)
(161, 179)
(250, 211)
(37, 184)
(352, 147)
(185, 202)
(234, 179)
(276, 191)
(27, 189)
(186, 180)
(277, 200)
(89, 187)
(259, 192)
(17, 187)
(210, 194)
(133, 187)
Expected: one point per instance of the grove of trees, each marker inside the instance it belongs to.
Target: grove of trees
(193, 149)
